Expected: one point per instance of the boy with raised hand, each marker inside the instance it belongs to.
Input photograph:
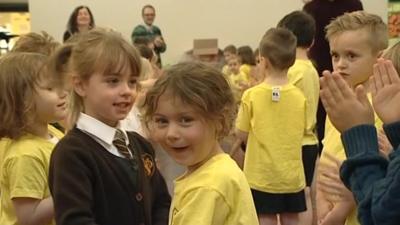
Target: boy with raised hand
(356, 41)
(373, 179)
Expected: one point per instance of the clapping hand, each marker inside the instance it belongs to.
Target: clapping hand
(385, 88)
(329, 181)
(344, 107)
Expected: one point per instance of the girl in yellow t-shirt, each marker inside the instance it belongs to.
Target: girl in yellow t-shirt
(29, 101)
(247, 59)
(188, 122)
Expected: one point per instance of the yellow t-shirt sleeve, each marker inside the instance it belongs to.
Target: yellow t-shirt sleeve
(244, 115)
(27, 177)
(202, 206)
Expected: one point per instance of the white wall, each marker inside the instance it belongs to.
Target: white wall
(238, 22)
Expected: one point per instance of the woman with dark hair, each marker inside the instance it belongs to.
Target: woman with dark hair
(81, 19)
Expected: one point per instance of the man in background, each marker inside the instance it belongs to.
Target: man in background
(150, 32)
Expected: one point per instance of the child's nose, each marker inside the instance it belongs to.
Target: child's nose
(341, 63)
(126, 88)
(173, 131)
(62, 93)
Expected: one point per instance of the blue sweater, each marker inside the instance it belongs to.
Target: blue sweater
(374, 180)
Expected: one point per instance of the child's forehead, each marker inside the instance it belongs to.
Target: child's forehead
(359, 35)
(119, 70)
(357, 39)
(174, 99)
(234, 59)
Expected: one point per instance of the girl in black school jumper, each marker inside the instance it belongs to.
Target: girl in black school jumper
(100, 174)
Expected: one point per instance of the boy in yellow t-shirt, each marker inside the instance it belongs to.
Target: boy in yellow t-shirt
(237, 79)
(304, 76)
(272, 120)
(356, 41)
(229, 52)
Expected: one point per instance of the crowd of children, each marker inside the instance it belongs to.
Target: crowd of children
(82, 122)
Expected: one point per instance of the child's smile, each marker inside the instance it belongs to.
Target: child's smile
(183, 133)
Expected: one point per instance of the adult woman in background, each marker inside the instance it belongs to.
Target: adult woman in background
(80, 20)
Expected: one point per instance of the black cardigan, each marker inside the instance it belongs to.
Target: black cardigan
(90, 186)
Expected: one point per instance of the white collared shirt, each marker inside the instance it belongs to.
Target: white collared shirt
(100, 132)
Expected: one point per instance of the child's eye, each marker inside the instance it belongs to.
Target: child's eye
(160, 121)
(112, 80)
(351, 56)
(186, 120)
(132, 82)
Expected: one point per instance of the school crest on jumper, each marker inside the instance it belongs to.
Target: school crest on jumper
(148, 164)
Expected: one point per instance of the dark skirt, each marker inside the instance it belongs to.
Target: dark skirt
(276, 203)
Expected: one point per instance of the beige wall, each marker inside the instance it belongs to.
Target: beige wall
(238, 22)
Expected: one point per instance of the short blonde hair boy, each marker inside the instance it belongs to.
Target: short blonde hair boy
(377, 29)
(279, 46)
(41, 43)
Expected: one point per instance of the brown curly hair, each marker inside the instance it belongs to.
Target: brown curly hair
(199, 86)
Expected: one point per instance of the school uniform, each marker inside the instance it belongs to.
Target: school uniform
(91, 183)
(304, 76)
(275, 118)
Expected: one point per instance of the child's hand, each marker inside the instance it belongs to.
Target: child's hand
(385, 148)
(323, 207)
(385, 88)
(330, 182)
(345, 108)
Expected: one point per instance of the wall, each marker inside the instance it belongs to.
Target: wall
(236, 22)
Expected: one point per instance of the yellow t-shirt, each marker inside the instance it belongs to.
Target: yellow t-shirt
(225, 70)
(216, 193)
(304, 76)
(333, 145)
(273, 160)
(245, 69)
(235, 80)
(24, 171)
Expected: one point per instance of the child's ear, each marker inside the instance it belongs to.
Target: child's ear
(265, 63)
(79, 85)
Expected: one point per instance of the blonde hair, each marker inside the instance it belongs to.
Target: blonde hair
(377, 29)
(96, 51)
(279, 46)
(20, 73)
(393, 54)
(199, 86)
(41, 43)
